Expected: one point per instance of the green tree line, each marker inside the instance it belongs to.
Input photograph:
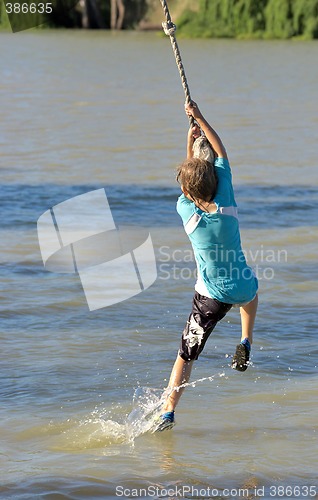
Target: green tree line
(252, 18)
(210, 18)
(91, 14)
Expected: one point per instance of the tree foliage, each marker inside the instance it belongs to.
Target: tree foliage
(95, 14)
(252, 18)
(211, 18)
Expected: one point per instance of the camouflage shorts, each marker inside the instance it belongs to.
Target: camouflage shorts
(205, 314)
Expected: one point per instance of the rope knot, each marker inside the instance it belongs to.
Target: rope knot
(169, 28)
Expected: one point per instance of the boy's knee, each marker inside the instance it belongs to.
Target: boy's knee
(188, 356)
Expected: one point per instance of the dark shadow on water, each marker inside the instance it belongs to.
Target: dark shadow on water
(260, 207)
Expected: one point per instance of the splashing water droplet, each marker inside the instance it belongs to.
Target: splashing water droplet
(148, 405)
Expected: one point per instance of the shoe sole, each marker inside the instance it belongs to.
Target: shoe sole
(163, 426)
(240, 358)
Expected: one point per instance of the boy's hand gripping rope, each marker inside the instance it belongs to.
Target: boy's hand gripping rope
(170, 29)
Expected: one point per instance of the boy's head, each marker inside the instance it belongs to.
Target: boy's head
(197, 179)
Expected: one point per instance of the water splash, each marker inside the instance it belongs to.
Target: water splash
(148, 406)
(104, 428)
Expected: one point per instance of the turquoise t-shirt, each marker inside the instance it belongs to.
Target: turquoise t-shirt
(216, 242)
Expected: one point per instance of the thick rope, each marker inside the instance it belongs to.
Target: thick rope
(170, 29)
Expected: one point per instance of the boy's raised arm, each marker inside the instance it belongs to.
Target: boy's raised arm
(211, 135)
(190, 141)
(193, 133)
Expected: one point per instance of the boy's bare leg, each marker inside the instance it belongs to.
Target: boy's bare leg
(241, 357)
(180, 374)
(248, 314)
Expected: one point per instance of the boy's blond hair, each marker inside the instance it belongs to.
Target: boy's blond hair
(197, 177)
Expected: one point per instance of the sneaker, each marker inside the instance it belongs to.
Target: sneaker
(241, 358)
(165, 422)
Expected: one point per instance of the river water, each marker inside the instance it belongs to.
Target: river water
(81, 111)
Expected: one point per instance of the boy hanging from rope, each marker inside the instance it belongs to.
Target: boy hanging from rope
(209, 213)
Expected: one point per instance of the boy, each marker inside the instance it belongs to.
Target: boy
(209, 214)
